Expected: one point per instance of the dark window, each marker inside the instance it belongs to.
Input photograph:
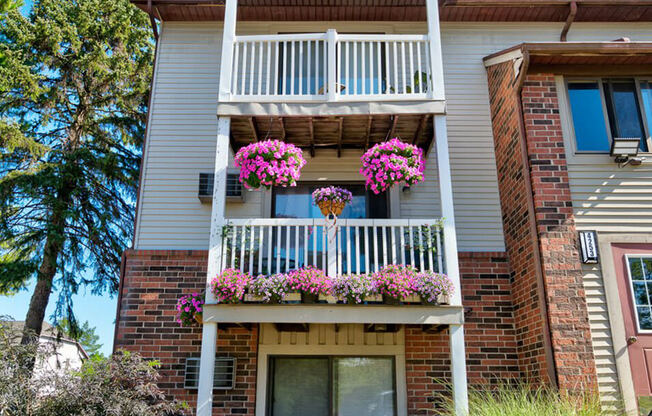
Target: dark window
(332, 386)
(608, 108)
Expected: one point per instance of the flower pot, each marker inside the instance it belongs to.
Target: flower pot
(324, 207)
(374, 299)
(252, 298)
(328, 299)
(412, 299)
(309, 298)
(337, 208)
(425, 301)
(389, 300)
(199, 318)
(292, 297)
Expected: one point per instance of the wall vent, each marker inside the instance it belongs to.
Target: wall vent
(223, 375)
(234, 191)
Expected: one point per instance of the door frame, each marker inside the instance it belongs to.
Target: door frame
(615, 310)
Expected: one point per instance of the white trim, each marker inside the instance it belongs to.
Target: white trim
(228, 40)
(615, 312)
(207, 369)
(323, 313)
(504, 57)
(458, 370)
(630, 281)
(398, 351)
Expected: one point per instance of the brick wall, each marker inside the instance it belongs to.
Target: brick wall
(490, 338)
(562, 269)
(541, 194)
(152, 283)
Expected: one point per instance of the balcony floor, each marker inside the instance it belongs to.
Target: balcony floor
(335, 132)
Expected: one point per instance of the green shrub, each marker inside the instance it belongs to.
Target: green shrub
(526, 400)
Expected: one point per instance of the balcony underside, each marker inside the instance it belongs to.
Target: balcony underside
(334, 314)
(335, 132)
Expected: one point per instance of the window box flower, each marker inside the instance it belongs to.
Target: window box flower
(395, 282)
(392, 162)
(230, 285)
(353, 288)
(269, 163)
(433, 288)
(332, 199)
(310, 282)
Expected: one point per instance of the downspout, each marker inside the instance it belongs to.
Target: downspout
(552, 368)
(569, 20)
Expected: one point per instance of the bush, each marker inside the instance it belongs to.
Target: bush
(526, 400)
(122, 385)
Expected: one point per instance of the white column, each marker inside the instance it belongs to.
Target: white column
(458, 370)
(228, 38)
(458, 357)
(209, 330)
(434, 43)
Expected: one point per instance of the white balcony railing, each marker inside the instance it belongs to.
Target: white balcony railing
(331, 67)
(273, 245)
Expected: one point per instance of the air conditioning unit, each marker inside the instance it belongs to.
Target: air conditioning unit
(234, 191)
(223, 375)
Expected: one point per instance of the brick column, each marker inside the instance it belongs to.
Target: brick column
(549, 298)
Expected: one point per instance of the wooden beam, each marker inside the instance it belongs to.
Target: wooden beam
(422, 125)
(366, 142)
(254, 131)
(311, 127)
(390, 134)
(340, 121)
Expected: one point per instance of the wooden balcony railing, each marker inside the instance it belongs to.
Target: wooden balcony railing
(267, 246)
(332, 67)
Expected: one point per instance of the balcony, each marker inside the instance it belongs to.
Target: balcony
(296, 74)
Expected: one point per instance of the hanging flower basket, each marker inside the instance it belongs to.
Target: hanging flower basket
(269, 163)
(189, 309)
(332, 200)
(392, 162)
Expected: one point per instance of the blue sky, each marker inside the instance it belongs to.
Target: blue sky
(99, 311)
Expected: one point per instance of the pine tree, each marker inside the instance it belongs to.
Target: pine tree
(84, 334)
(73, 97)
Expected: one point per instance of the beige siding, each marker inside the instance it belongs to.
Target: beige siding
(346, 334)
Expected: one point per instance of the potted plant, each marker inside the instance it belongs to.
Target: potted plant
(395, 282)
(271, 289)
(230, 285)
(332, 199)
(269, 163)
(353, 288)
(433, 288)
(392, 162)
(310, 281)
(190, 309)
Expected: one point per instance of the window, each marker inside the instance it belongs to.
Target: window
(223, 375)
(602, 109)
(332, 386)
(640, 277)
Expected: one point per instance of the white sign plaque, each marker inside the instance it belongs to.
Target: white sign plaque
(589, 247)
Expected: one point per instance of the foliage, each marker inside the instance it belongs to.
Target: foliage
(392, 162)
(230, 285)
(73, 97)
(309, 280)
(353, 288)
(522, 399)
(269, 163)
(395, 281)
(187, 307)
(84, 334)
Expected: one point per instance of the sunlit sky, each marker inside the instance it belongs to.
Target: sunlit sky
(99, 311)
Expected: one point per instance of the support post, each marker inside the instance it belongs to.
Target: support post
(458, 370)
(228, 39)
(332, 78)
(434, 43)
(209, 330)
(331, 251)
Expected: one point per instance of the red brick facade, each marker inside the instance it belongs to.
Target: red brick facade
(537, 187)
(152, 283)
(490, 338)
(153, 280)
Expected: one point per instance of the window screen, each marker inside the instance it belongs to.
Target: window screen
(223, 376)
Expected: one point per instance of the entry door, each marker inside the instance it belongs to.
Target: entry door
(634, 273)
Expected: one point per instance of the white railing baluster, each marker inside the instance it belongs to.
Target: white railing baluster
(387, 69)
(411, 246)
(383, 229)
(251, 250)
(305, 245)
(292, 70)
(245, 60)
(440, 265)
(324, 247)
(347, 80)
(287, 248)
(279, 231)
(355, 68)
(402, 247)
(261, 237)
(367, 251)
(403, 67)
(430, 248)
(348, 249)
(379, 75)
(375, 238)
(314, 245)
(270, 242)
(339, 65)
(308, 71)
(338, 242)
(363, 59)
(411, 74)
(393, 244)
(395, 59)
(233, 248)
(421, 267)
(252, 68)
(268, 71)
(236, 69)
(296, 246)
(277, 48)
(284, 87)
(357, 250)
(243, 244)
(300, 67)
(318, 69)
(419, 68)
(429, 72)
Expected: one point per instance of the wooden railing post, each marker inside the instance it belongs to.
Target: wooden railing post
(332, 78)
